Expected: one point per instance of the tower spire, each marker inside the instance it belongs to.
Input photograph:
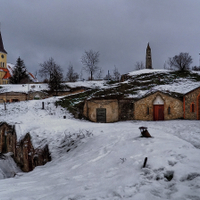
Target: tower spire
(148, 57)
(1, 43)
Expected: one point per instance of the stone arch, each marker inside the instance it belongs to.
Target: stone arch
(158, 100)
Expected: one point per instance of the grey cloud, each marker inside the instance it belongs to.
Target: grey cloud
(119, 30)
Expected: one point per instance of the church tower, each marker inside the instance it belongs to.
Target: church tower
(148, 58)
(3, 54)
(4, 72)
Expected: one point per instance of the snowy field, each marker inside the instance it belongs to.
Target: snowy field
(106, 164)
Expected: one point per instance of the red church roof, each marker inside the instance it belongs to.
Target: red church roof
(7, 73)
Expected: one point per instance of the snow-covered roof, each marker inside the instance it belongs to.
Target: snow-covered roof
(146, 71)
(25, 88)
(11, 67)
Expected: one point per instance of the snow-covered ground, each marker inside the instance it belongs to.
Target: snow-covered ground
(25, 88)
(106, 164)
(146, 71)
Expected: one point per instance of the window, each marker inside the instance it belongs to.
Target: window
(169, 110)
(192, 107)
(147, 110)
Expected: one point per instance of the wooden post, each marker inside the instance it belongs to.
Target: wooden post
(4, 105)
(145, 162)
(43, 105)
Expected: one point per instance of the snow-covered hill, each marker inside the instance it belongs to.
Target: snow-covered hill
(106, 164)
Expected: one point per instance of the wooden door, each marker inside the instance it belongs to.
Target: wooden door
(101, 115)
(158, 112)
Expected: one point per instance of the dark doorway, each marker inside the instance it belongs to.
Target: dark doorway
(101, 115)
(158, 112)
(15, 100)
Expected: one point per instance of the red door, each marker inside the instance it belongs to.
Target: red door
(158, 112)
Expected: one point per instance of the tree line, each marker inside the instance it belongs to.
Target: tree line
(180, 62)
(52, 73)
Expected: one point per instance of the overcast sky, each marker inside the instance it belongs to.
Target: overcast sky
(118, 29)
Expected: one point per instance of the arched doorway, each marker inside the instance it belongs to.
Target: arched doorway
(158, 108)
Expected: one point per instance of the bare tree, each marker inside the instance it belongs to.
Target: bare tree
(48, 67)
(181, 62)
(55, 81)
(99, 73)
(81, 74)
(90, 60)
(139, 65)
(53, 73)
(71, 76)
(196, 68)
(116, 74)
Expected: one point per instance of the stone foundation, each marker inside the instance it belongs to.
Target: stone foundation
(24, 154)
(144, 108)
(190, 98)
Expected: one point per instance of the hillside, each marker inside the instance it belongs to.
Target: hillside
(136, 85)
(105, 160)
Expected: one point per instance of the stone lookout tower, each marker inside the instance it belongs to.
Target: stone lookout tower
(148, 57)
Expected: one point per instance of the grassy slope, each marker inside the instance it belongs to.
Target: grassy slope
(74, 103)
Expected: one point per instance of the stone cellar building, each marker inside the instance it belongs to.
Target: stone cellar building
(155, 106)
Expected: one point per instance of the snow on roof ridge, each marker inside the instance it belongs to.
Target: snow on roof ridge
(144, 71)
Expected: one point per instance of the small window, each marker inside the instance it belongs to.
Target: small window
(147, 110)
(169, 110)
(192, 107)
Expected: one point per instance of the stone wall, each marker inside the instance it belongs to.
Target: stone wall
(189, 99)
(24, 154)
(126, 109)
(37, 95)
(7, 138)
(144, 107)
(13, 96)
(111, 106)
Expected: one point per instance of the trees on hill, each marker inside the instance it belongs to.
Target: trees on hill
(48, 68)
(20, 74)
(139, 65)
(90, 60)
(182, 61)
(71, 76)
(116, 74)
(53, 75)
